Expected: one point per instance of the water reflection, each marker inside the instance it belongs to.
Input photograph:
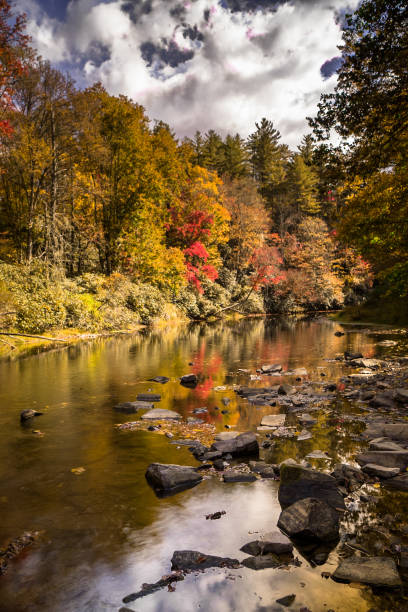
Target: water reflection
(104, 532)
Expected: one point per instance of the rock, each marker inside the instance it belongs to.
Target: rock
(160, 379)
(384, 444)
(387, 343)
(339, 333)
(373, 364)
(349, 356)
(15, 548)
(169, 435)
(148, 397)
(200, 410)
(276, 543)
(265, 470)
(242, 445)
(298, 482)
(310, 519)
(317, 454)
(390, 459)
(210, 456)
(160, 414)
(395, 431)
(261, 562)
(148, 589)
(132, 407)
(286, 390)
(382, 399)
(300, 372)
(399, 483)
(188, 560)
(189, 380)
(270, 369)
(381, 472)
(234, 476)
(28, 414)
(227, 435)
(376, 571)
(226, 401)
(215, 515)
(194, 420)
(348, 476)
(287, 600)
(401, 395)
(304, 435)
(306, 419)
(168, 476)
(219, 465)
(272, 420)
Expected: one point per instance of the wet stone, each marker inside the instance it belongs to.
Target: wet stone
(380, 471)
(271, 369)
(160, 414)
(276, 543)
(310, 519)
(169, 476)
(390, 459)
(189, 380)
(298, 482)
(242, 445)
(376, 571)
(188, 560)
(261, 562)
(148, 397)
(287, 600)
(272, 420)
(28, 414)
(234, 476)
(132, 407)
(160, 379)
(399, 483)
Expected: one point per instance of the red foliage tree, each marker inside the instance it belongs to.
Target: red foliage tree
(14, 54)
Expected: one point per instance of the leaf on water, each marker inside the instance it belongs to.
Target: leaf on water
(376, 485)
(78, 470)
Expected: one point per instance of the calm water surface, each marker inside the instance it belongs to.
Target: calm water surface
(104, 532)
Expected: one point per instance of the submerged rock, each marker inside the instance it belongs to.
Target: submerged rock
(261, 562)
(276, 543)
(160, 413)
(148, 589)
(148, 397)
(349, 356)
(395, 431)
(384, 444)
(298, 482)
(15, 548)
(287, 600)
(401, 395)
(188, 560)
(160, 379)
(234, 476)
(168, 476)
(400, 483)
(242, 445)
(310, 519)
(132, 407)
(376, 571)
(28, 414)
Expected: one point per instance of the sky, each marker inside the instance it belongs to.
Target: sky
(199, 64)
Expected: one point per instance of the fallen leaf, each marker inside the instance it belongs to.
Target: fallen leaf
(78, 470)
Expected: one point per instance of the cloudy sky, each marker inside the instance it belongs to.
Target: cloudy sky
(199, 64)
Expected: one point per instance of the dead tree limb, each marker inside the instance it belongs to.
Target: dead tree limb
(32, 336)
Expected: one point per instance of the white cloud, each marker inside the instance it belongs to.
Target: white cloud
(249, 65)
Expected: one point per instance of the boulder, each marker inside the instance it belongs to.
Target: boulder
(379, 471)
(28, 414)
(307, 419)
(382, 399)
(148, 397)
(304, 435)
(298, 482)
(349, 477)
(132, 407)
(261, 562)
(384, 444)
(227, 435)
(189, 380)
(287, 600)
(188, 560)
(160, 414)
(234, 476)
(376, 571)
(390, 459)
(273, 420)
(401, 395)
(286, 390)
(265, 470)
(168, 476)
(243, 445)
(310, 519)
(271, 369)
(350, 356)
(373, 364)
(276, 543)
(395, 431)
(399, 483)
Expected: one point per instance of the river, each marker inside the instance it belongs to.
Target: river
(103, 531)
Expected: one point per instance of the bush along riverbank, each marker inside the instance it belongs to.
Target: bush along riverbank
(324, 503)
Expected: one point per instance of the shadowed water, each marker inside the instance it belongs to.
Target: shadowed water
(103, 531)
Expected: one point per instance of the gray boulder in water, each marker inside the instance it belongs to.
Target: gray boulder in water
(166, 477)
(376, 571)
(310, 519)
(243, 445)
(298, 482)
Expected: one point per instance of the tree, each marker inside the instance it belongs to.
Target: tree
(14, 57)
(267, 156)
(234, 162)
(303, 185)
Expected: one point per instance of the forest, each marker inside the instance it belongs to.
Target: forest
(109, 220)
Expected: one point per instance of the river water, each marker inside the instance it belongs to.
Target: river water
(103, 532)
